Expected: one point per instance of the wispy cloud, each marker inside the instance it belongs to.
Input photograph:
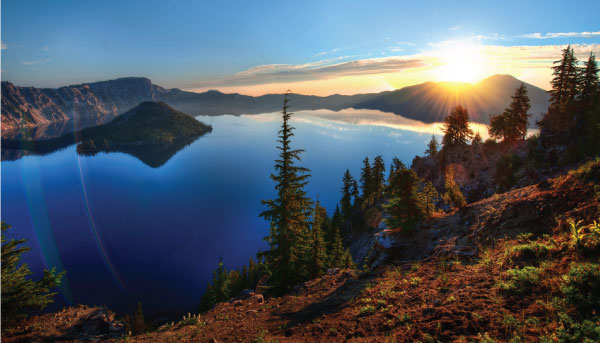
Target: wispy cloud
(323, 53)
(584, 34)
(44, 61)
(46, 48)
(455, 28)
(4, 46)
(273, 73)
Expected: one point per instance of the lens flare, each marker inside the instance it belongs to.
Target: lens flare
(36, 205)
(105, 257)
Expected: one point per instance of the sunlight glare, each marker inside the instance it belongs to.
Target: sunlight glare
(461, 61)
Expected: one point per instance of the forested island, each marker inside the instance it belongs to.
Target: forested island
(152, 131)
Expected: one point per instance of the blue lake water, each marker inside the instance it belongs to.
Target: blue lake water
(127, 232)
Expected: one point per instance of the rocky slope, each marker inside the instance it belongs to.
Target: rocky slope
(96, 103)
(450, 282)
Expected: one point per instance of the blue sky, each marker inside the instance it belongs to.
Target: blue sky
(255, 47)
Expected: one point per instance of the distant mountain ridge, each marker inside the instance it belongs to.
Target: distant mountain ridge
(96, 103)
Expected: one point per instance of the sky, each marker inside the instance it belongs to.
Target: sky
(310, 47)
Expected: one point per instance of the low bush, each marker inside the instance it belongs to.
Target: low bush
(521, 281)
(532, 250)
(506, 170)
(581, 287)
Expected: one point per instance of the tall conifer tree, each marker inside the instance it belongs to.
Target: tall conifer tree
(456, 128)
(289, 213)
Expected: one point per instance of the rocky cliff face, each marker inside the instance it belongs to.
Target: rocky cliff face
(86, 104)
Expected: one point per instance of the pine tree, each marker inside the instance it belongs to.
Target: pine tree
(378, 175)
(432, 147)
(427, 197)
(336, 255)
(456, 128)
(560, 116)
(403, 207)
(355, 193)
(476, 139)
(588, 112)
(511, 125)
(348, 261)
(396, 166)
(19, 292)
(588, 85)
(335, 223)
(453, 194)
(318, 248)
(346, 201)
(137, 322)
(289, 213)
(366, 179)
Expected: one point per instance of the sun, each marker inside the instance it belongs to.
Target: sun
(460, 61)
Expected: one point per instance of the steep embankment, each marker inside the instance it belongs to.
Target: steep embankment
(498, 268)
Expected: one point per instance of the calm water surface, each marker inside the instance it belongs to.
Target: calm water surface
(127, 232)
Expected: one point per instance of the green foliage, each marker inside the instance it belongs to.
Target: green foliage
(521, 281)
(150, 122)
(511, 125)
(136, 323)
(506, 170)
(318, 249)
(453, 195)
(427, 196)
(367, 310)
(432, 147)
(585, 238)
(582, 287)
(366, 179)
(572, 330)
(530, 250)
(347, 194)
(456, 128)
(477, 139)
(485, 338)
(588, 171)
(560, 115)
(337, 253)
(19, 291)
(289, 214)
(225, 285)
(573, 117)
(372, 180)
(403, 206)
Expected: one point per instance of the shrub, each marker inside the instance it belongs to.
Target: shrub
(582, 287)
(506, 169)
(530, 250)
(586, 331)
(366, 310)
(453, 194)
(587, 171)
(21, 293)
(521, 281)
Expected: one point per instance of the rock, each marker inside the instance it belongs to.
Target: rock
(427, 311)
(384, 239)
(246, 293)
(333, 271)
(258, 298)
